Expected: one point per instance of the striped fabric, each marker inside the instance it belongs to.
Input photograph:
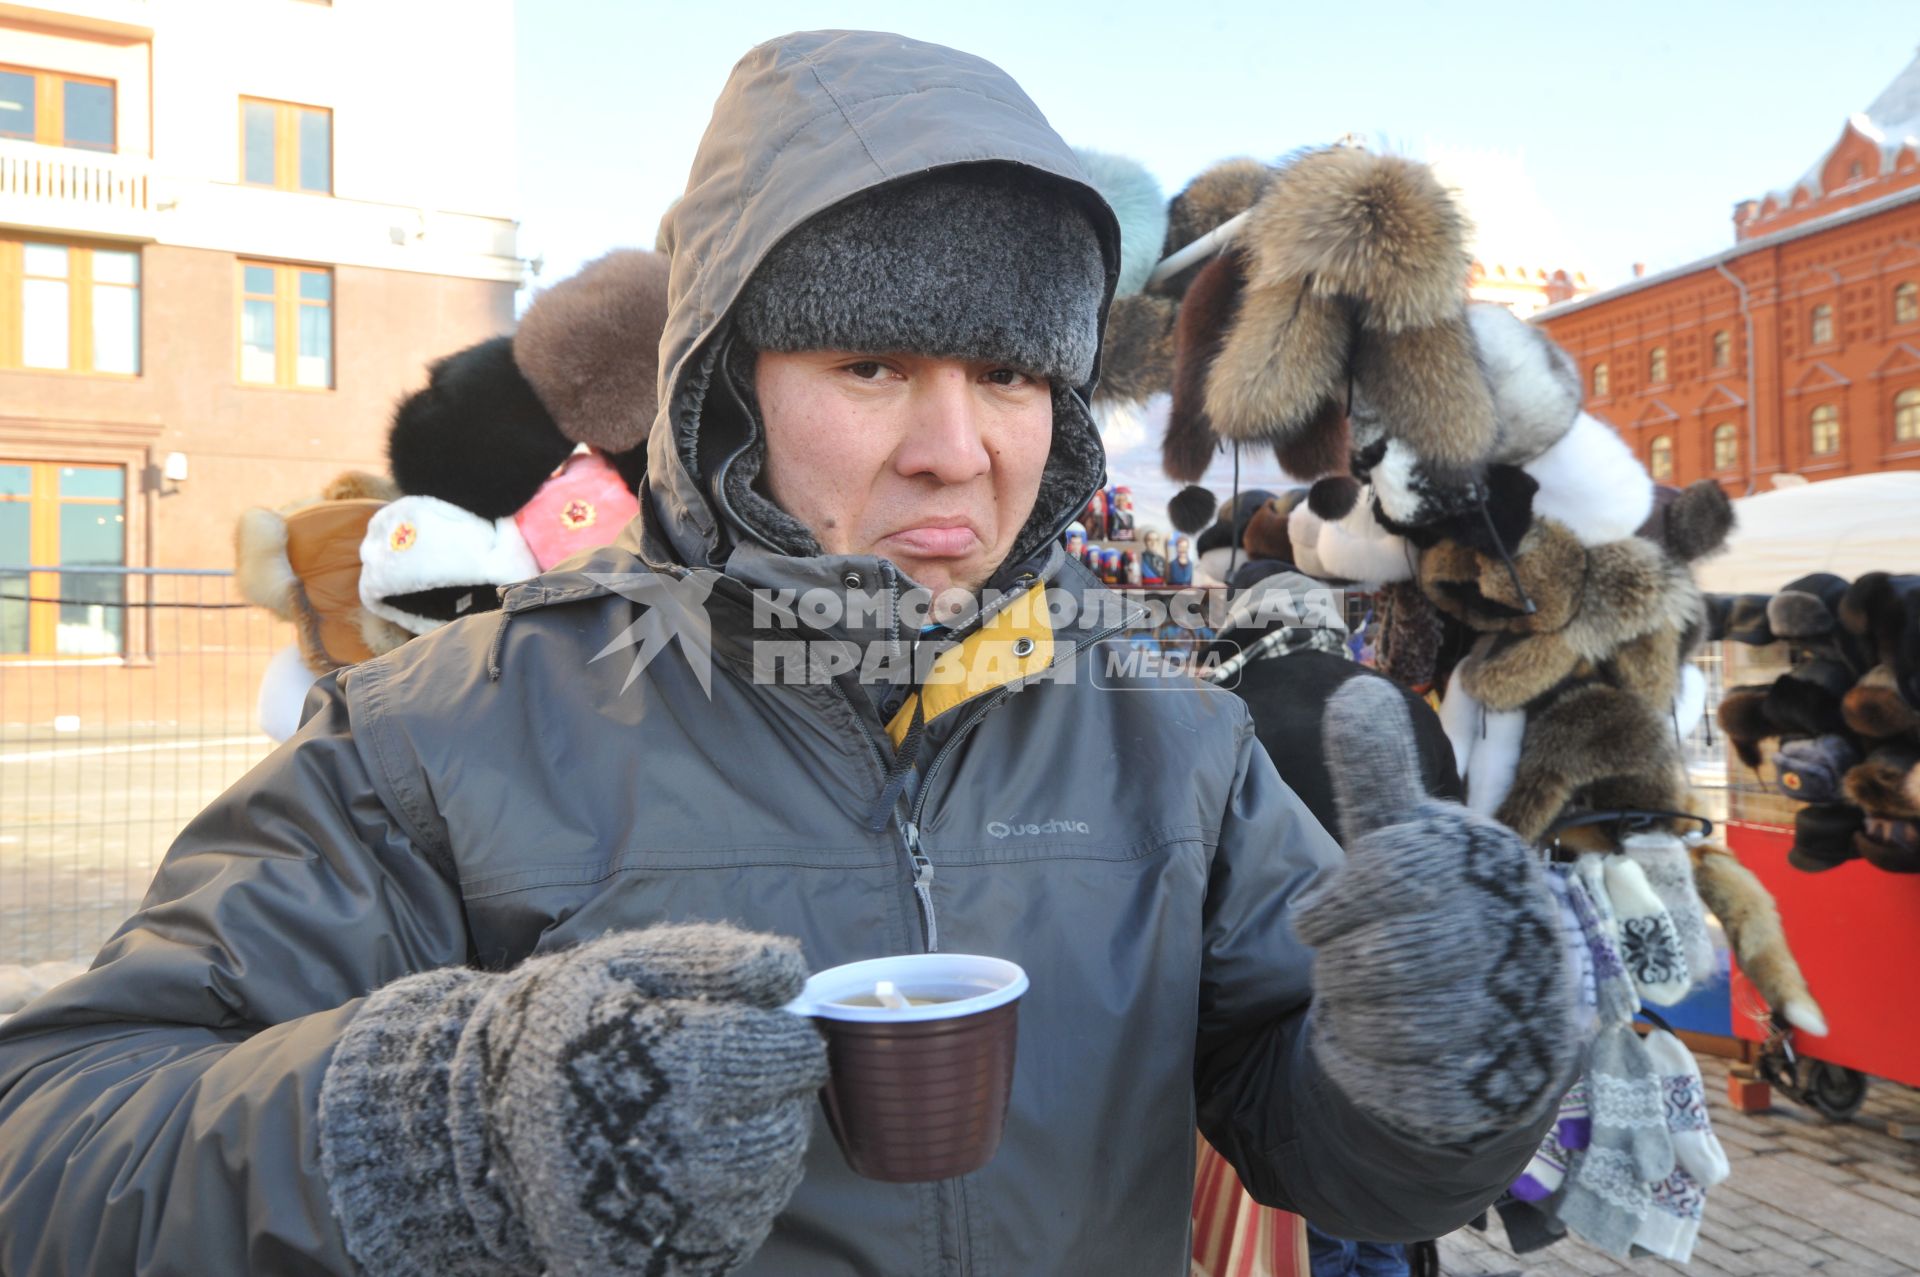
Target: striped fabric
(1235, 1236)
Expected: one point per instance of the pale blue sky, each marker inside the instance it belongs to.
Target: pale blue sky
(1639, 124)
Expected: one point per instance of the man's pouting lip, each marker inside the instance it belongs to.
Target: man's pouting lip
(937, 539)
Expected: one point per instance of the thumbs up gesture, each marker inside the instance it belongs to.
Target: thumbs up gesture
(1442, 1000)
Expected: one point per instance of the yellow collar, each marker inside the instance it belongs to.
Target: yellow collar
(1013, 643)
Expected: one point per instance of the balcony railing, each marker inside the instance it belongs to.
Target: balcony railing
(66, 188)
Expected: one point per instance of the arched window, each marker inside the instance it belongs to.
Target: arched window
(1826, 430)
(1906, 302)
(1660, 458)
(1657, 366)
(1822, 325)
(1726, 446)
(1599, 381)
(1906, 416)
(1722, 348)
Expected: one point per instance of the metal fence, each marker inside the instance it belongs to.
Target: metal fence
(105, 757)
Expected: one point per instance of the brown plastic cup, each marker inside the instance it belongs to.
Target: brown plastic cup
(918, 1092)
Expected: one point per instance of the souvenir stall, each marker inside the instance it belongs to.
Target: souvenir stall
(1822, 655)
(1523, 567)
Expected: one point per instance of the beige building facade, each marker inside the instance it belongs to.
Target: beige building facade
(232, 235)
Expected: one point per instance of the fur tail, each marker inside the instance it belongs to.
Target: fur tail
(1752, 922)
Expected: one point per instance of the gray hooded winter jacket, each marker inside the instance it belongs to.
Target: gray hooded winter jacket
(493, 791)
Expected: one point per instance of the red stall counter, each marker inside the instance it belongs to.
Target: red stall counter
(1856, 933)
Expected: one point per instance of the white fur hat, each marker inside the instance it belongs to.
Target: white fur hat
(425, 562)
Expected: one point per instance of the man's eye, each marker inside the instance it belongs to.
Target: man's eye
(1007, 377)
(867, 369)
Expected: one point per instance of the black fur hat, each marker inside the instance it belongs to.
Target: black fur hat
(1191, 508)
(477, 436)
(1806, 700)
(1823, 836)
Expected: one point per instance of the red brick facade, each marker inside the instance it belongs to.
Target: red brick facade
(1797, 351)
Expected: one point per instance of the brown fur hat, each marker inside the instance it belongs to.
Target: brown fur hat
(1883, 784)
(1423, 387)
(1743, 716)
(1137, 360)
(1873, 708)
(1218, 195)
(302, 563)
(1266, 535)
(1205, 312)
(1377, 229)
(359, 485)
(590, 345)
(1281, 373)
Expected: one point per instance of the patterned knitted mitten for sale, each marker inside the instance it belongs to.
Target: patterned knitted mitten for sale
(1649, 943)
(637, 1104)
(1616, 999)
(1685, 1096)
(1669, 869)
(1442, 995)
(1607, 1196)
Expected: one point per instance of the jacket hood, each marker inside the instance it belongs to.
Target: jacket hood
(805, 122)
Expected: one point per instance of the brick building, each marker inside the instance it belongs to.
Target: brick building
(232, 233)
(1795, 351)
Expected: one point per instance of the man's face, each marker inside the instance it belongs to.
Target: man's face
(932, 463)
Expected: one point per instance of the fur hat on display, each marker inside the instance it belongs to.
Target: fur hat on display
(425, 562)
(1191, 509)
(584, 505)
(1137, 360)
(1884, 785)
(1361, 549)
(1590, 481)
(1304, 528)
(1889, 844)
(1354, 293)
(477, 436)
(1536, 385)
(1739, 618)
(1743, 717)
(1190, 443)
(1231, 519)
(1811, 770)
(1266, 535)
(1823, 836)
(1216, 197)
(1135, 197)
(1806, 699)
(590, 347)
(302, 563)
(1884, 611)
(1873, 708)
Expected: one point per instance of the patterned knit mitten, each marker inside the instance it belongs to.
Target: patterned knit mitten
(1442, 997)
(1616, 999)
(1669, 870)
(1649, 943)
(1607, 1196)
(1694, 1145)
(637, 1104)
(1571, 1131)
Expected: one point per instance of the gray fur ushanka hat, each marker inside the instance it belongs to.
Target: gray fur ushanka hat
(978, 261)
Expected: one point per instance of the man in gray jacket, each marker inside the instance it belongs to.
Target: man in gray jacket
(480, 972)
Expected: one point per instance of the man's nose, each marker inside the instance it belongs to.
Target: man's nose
(943, 438)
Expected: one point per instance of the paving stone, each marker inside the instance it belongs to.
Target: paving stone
(1740, 1263)
(1812, 1168)
(1858, 1256)
(1905, 1203)
(1781, 1219)
(1872, 1224)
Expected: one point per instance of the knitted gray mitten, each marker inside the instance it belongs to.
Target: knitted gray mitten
(637, 1104)
(1443, 1003)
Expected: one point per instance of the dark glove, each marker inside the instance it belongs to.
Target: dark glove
(1442, 999)
(639, 1103)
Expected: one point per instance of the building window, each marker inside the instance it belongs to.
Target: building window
(1599, 381)
(56, 110)
(1826, 430)
(1726, 447)
(286, 325)
(1660, 458)
(1722, 348)
(1657, 366)
(54, 515)
(1906, 302)
(285, 146)
(1906, 417)
(1821, 327)
(69, 307)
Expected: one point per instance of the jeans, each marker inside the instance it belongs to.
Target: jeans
(1332, 1257)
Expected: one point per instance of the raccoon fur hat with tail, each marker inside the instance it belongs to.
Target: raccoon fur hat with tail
(1354, 308)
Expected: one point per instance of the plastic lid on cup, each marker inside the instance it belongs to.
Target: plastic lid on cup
(985, 983)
